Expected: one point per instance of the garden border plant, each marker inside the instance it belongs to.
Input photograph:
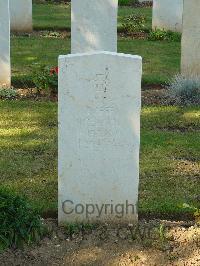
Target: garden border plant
(184, 91)
(163, 35)
(121, 2)
(46, 79)
(133, 24)
(20, 224)
(8, 93)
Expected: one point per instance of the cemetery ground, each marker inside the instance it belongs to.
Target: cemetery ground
(169, 163)
(169, 160)
(30, 51)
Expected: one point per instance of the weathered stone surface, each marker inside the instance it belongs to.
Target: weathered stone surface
(21, 15)
(190, 56)
(167, 15)
(143, 1)
(4, 43)
(99, 136)
(94, 26)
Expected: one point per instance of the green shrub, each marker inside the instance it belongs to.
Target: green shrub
(8, 93)
(133, 24)
(195, 210)
(19, 224)
(184, 91)
(46, 78)
(162, 35)
(23, 81)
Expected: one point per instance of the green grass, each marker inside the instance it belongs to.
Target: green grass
(29, 53)
(161, 60)
(28, 150)
(51, 16)
(58, 17)
(169, 158)
(169, 164)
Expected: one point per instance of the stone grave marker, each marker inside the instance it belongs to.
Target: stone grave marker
(99, 134)
(5, 75)
(93, 26)
(167, 15)
(143, 1)
(21, 15)
(190, 54)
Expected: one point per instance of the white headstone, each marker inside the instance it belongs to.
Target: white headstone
(167, 15)
(143, 1)
(190, 61)
(21, 15)
(5, 75)
(99, 136)
(94, 26)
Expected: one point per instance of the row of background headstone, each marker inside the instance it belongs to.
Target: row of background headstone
(190, 50)
(15, 15)
(5, 76)
(21, 15)
(181, 16)
(167, 14)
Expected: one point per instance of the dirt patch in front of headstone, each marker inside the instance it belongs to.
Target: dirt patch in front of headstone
(66, 34)
(51, 33)
(152, 243)
(154, 96)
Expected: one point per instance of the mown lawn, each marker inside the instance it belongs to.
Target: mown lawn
(161, 59)
(58, 16)
(169, 164)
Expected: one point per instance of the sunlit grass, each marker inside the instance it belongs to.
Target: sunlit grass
(169, 162)
(161, 60)
(155, 117)
(58, 17)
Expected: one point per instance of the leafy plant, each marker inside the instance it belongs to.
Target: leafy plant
(23, 81)
(184, 91)
(196, 212)
(46, 79)
(8, 93)
(19, 223)
(162, 35)
(134, 23)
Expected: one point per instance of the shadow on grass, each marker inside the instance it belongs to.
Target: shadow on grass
(28, 156)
